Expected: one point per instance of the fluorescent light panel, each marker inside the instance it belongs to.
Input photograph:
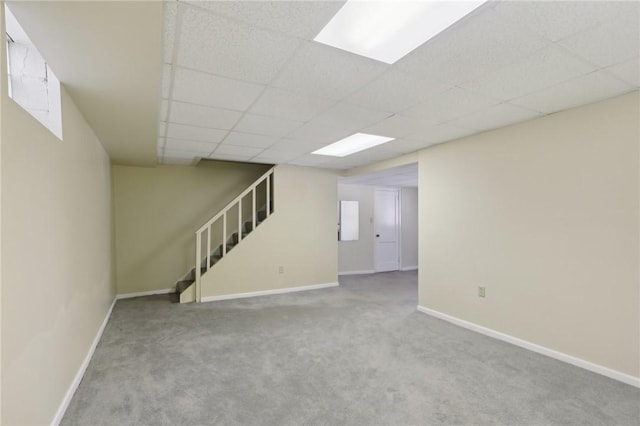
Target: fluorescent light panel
(387, 30)
(352, 144)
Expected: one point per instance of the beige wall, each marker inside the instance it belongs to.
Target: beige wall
(408, 228)
(158, 210)
(57, 283)
(301, 236)
(357, 256)
(545, 215)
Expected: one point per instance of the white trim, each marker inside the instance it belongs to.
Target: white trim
(83, 368)
(409, 268)
(145, 293)
(399, 213)
(268, 292)
(578, 362)
(362, 272)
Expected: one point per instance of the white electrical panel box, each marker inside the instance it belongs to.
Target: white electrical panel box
(349, 227)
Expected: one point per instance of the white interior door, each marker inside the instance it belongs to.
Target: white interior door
(386, 223)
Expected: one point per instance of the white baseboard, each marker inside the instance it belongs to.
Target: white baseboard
(578, 362)
(364, 271)
(83, 367)
(268, 292)
(145, 293)
(409, 268)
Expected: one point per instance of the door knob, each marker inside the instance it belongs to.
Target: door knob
(377, 235)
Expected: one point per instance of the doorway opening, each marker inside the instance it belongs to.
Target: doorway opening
(388, 221)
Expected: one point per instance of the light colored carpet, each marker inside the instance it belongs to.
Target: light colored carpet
(359, 354)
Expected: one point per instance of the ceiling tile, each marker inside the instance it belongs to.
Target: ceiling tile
(203, 116)
(327, 72)
(345, 163)
(349, 117)
(237, 150)
(316, 132)
(396, 91)
(406, 146)
(269, 126)
(248, 139)
(169, 30)
(453, 103)
(496, 116)
(440, 133)
(579, 91)
(206, 89)
(164, 109)
(374, 154)
(166, 81)
(481, 43)
(610, 42)
(336, 166)
(628, 71)
(241, 51)
(162, 129)
(542, 69)
(398, 126)
(556, 20)
(190, 146)
(302, 19)
(276, 156)
(202, 134)
(230, 157)
(297, 146)
(311, 160)
(278, 103)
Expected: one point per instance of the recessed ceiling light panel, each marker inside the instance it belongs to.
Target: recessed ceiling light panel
(387, 30)
(352, 144)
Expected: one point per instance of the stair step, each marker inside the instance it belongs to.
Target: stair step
(192, 273)
(233, 239)
(183, 285)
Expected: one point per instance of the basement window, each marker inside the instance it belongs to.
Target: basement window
(32, 84)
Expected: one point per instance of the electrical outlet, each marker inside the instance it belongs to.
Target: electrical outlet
(481, 291)
(281, 269)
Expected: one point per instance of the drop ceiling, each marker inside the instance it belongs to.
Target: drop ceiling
(178, 81)
(244, 81)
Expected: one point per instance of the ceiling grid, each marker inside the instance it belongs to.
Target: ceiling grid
(247, 80)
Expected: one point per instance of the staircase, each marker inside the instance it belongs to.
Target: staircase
(225, 230)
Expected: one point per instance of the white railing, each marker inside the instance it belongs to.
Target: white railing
(222, 215)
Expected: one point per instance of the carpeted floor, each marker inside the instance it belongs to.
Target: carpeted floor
(359, 354)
